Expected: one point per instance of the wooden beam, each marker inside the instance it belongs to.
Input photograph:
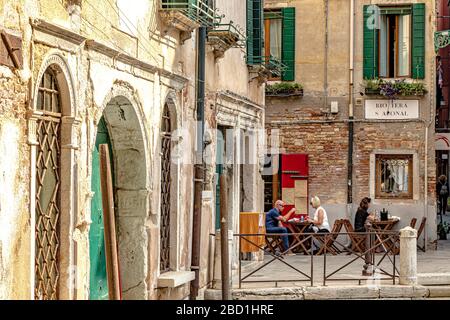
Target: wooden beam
(112, 261)
(10, 49)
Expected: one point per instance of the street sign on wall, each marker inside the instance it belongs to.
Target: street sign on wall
(392, 109)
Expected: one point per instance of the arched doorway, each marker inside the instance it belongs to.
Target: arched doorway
(53, 144)
(121, 127)
(48, 188)
(98, 277)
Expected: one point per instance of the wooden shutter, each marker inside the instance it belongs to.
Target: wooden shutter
(370, 54)
(288, 39)
(255, 31)
(250, 32)
(418, 41)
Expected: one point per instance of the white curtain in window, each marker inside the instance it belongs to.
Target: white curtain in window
(275, 38)
(399, 172)
(383, 46)
(404, 46)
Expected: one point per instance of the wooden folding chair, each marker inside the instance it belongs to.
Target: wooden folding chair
(358, 241)
(413, 222)
(328, 239)
(274, 243)
(419, 233)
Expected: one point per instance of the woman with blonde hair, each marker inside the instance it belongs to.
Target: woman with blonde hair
(320, 220)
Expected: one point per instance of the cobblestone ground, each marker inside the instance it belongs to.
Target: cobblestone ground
(432, 261)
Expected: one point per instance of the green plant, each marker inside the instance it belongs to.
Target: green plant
(283, 87)
(443, 227)
(391, 89)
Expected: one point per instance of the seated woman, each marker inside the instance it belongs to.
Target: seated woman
(320, 220)
(362, 215)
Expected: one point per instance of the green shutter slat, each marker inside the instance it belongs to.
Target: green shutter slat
(255, 31)
(370, 54)
(418, 41)
(250, 53)
(258, 31)
(288, 40)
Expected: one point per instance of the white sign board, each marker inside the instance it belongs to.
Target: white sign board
(392, 109)
(442, 141)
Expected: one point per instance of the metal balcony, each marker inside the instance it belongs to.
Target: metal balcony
(187, 15)
(268, 65)
(225, 36)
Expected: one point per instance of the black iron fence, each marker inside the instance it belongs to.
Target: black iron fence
(373, 247)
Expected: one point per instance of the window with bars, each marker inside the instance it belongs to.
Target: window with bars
(394, 176)
(48, 189)
(166, 138)
(48, 94)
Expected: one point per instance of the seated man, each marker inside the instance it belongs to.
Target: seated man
(274, 219)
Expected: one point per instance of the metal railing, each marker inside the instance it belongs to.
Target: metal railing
(198, 11)
(379, 246)
(269, 63)
(229, 33)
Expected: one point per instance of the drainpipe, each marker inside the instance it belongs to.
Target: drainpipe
(350, 106)
(325, 64)
(199, 174)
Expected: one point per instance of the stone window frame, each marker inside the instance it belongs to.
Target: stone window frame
(415, 175)
(68, 159)
(382, 195)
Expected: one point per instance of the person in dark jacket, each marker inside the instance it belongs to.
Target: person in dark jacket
(442, 190)
(362, 214)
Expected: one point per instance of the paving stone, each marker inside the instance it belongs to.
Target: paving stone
(439, 291)
(347, 292)
(430, 279)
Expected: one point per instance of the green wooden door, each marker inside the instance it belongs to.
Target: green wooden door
(98, 277)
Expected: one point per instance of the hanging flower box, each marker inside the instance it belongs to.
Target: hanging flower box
(284, 89)
(393, 89)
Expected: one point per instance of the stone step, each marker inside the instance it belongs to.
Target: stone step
(385, 292)
(433, 279)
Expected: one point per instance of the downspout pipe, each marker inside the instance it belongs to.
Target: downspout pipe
(350, 104)
(199, 174)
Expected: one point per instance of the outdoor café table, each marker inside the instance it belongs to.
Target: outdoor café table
(383, 226)
(298, 227)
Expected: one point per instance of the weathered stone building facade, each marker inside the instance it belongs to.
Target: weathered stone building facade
(103, 72)
(337, 52)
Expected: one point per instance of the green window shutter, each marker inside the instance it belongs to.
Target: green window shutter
(370, 53)
(418, 41)
(288, 50)
(250, 53)
(255, 31)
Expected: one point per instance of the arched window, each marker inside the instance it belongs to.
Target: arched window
(48, 187)
(166, 135)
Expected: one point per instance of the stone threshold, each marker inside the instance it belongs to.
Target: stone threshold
(336, 292)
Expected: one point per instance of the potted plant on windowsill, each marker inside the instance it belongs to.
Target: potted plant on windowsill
(284, 89)
(393, 89)
(443, 228)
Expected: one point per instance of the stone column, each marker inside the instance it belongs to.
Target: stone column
(408, 256)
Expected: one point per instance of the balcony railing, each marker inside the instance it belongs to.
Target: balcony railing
(187, 15)
(225, 36)
(268, 64)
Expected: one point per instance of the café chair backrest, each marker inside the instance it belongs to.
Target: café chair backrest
(413, 223)
(421, 227)
(419, 233)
